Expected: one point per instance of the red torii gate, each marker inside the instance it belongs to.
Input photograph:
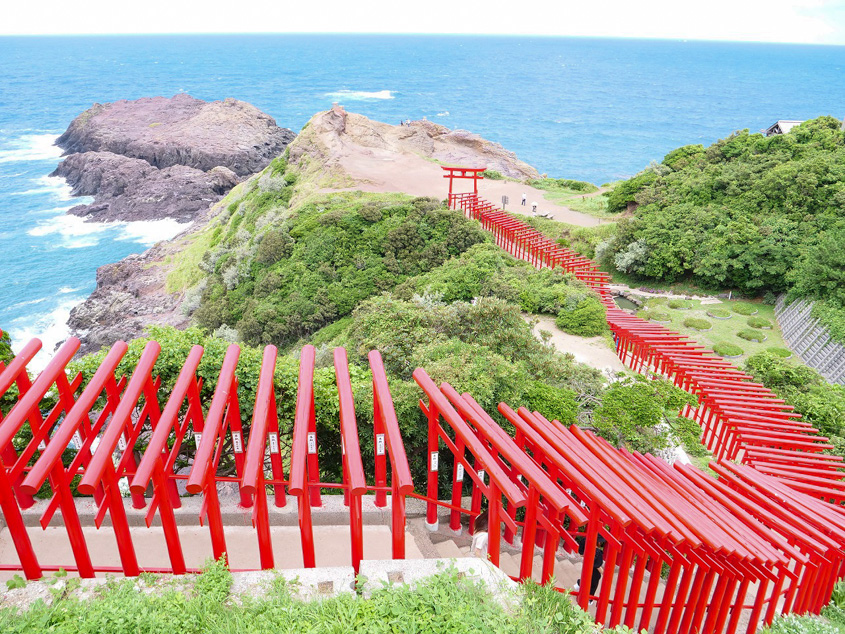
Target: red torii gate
(469, 173)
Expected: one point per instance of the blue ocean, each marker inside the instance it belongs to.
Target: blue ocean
(592, 109)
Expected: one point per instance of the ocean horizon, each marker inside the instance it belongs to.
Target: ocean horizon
(587, 108)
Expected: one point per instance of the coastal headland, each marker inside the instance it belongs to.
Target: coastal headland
(176, 158)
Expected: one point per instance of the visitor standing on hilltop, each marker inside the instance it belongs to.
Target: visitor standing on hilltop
(524, 198)
(534, 208)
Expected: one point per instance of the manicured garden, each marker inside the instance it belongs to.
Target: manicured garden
(731, 328)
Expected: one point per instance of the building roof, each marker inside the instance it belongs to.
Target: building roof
(782, 126)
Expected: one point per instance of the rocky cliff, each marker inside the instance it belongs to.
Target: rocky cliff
(164, 158)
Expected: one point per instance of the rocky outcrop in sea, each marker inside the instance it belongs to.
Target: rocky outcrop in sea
(153, 159)
(160, 157)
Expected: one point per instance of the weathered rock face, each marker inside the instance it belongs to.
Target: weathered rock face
(132, 189)
(164, 158)
(131, 294)
(180, 131)
(345, 140)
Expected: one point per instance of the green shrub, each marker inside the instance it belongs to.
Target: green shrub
(725, 349)
(718, 313)
(759, 322)
(552, 402)
(658, 315)
(744, 309)
(680, 304)
(697, 324)
(634, 411)
(322, 260)
(626, 192)
(567, 184)
(587, 319)
(783, 353)
(751, 335)
(493, 175)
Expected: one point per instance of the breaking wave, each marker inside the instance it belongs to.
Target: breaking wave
(361, 95)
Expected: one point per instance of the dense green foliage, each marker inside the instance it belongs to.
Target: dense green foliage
(486, 271)
(634, 413)
(741, 308)
(821, 272)
(741, 214)
(311, 266)
(719, 313)
(818, 402)
(445, 603)
(625, 192)
(751, 335)
(6, 355)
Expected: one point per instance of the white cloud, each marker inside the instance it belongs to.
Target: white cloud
(811, 21)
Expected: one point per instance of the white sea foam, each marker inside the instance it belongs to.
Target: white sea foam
(64, 290)
(360, 95)
(445, 113)
(151, 231)
(51, 328)
(30, 147)
(72, 232)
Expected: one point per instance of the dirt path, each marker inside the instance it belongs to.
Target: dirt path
(593, 351)
(385, 171)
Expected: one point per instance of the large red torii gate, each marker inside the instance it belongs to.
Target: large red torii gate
(463, 173)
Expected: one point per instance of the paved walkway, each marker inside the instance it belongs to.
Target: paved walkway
(333, 546)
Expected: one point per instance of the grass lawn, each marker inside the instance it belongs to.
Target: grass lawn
(576, 195)
(722, 330)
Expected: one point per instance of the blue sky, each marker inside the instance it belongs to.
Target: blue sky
(805, 21)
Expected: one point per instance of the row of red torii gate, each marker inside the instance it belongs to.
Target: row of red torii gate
(683, 551)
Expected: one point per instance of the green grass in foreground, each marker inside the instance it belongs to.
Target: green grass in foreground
(722, 330)
(444, 603)
(831, 621)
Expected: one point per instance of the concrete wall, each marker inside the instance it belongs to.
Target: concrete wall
(810, 340)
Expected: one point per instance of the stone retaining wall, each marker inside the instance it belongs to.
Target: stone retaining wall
(810, 340)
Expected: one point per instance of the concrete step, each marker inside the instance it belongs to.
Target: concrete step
(566, 574)
(509, 564)
(448, 549)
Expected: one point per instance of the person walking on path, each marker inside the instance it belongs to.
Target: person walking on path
(534, 208)
(524, 199)
(598, 565)
(480, 536)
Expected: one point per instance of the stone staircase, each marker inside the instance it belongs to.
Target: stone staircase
(445, 543)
